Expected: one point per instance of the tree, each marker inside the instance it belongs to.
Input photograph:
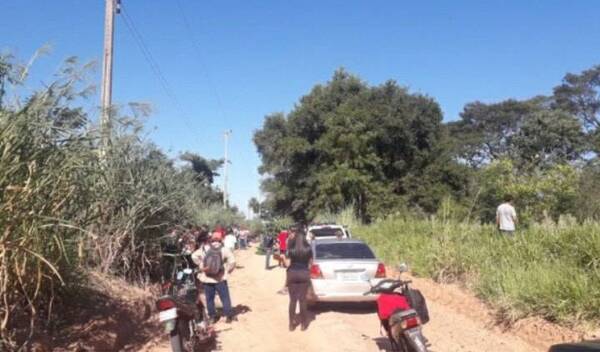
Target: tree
(529, 132)
(549, 137)
(205, 169)
(486, 131)
(348, 143)
(254, 205)
(579, 94)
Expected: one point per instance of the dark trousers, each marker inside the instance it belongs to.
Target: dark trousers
(269, 253)
(222, 289)
(298, 282)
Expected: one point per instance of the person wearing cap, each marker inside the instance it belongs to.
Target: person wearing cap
(216, 284)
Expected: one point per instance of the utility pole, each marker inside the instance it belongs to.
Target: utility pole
(112, 8)
(225, 192)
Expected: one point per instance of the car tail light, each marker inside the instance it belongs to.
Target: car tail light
(380, 274)
(315, 272)
(410, 322)
(164, 304)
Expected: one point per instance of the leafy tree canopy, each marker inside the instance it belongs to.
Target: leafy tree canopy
(529, 132)
(348, 143)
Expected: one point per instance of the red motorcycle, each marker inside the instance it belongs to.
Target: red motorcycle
(402, 311)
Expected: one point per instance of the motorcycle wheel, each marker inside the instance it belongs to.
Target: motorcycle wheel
(406, 345)
(176, 345)
(395, 346)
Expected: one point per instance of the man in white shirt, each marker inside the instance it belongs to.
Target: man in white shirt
(506, 216)
(230, 241)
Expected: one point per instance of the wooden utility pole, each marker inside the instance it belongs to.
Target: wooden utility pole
(112, 7)
(225, 167)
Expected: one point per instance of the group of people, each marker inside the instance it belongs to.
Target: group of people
(213, 254)
(294, 254)
(237, 238)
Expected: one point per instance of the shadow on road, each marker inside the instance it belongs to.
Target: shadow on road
(344, 307)
(383, 343)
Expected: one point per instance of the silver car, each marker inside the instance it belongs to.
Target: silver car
(341, 271)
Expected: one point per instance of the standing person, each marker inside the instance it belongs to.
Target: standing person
(230, 241)
(282, 241)
(244, 237)
(298, 278)
(506, 216)
(291, 234)
(268, 243)
(215, 263)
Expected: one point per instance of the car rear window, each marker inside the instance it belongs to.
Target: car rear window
(326, 232)
(343, 251)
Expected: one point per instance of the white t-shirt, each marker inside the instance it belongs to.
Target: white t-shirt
(506, 214)
(230, 241)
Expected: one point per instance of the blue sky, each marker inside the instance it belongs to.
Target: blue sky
(245, 59)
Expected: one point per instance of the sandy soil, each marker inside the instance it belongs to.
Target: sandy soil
(263, 327)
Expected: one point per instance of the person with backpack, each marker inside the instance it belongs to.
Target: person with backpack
(215, 263)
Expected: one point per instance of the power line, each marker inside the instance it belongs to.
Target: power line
(198, 52)
(141, 43)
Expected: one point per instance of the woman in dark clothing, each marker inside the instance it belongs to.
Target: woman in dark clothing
(298, 278)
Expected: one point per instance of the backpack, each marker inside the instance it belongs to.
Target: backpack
(213, 262)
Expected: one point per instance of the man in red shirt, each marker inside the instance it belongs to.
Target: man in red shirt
(282, 239)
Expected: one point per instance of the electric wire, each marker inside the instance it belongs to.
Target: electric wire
(198, 51)
(147, 54)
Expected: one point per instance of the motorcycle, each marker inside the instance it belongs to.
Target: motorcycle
(402, 311)
(182, 312)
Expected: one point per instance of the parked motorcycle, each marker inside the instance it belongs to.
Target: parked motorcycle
(402, 311)
(180, 309)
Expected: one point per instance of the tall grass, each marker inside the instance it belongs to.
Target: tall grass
(548, 270)
(64, 210)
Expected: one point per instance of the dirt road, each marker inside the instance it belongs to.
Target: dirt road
(336, 328)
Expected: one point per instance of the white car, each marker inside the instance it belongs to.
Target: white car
(342, 271)
(327, 231)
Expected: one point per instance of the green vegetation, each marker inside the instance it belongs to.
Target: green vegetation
(428, 190)
(382, 149)
(550, 270)
(65, 209)
(349, 143)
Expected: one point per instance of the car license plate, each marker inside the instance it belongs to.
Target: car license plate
(168, 314)
(348, 276)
